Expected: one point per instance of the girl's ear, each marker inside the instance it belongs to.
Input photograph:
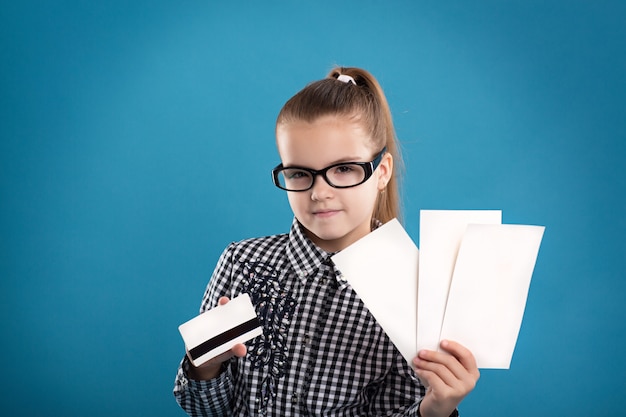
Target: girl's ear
(385, 169)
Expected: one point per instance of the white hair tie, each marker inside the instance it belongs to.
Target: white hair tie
(346, 79)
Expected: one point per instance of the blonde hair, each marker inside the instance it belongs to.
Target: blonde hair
(363, 101)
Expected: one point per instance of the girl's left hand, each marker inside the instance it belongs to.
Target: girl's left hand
(449, 377)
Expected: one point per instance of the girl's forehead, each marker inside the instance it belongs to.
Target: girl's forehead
(331, 133)
(317, 145)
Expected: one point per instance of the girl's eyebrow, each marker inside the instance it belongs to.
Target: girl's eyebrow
(337, 161)
(347, 159)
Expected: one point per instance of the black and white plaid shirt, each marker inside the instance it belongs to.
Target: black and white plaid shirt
(321, 352)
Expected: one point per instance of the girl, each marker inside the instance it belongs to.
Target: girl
(321, 352)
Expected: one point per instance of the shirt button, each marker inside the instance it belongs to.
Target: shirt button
(294, 399)
(306, 339)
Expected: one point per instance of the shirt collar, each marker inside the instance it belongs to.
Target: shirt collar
(304, 255)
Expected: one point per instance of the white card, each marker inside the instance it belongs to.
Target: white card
(441, 232)
(217, 330)
(489, 289)
(382, 269)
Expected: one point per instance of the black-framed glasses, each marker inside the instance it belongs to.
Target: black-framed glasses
(341, 175)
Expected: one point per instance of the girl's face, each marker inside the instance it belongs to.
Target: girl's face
(333, 218)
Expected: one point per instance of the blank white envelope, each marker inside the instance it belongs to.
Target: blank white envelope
(382, 269)
(489, 290)
(441, 232)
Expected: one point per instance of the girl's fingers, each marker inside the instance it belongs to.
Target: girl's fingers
(442, 363)
(460, 352)
(239, 350)
(462, 355)
(439, 364)
(456, 367)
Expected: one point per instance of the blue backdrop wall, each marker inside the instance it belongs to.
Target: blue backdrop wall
(137, 139)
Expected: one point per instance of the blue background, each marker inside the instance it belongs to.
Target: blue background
(137, 139)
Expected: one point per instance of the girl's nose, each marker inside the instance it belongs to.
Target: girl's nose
(321, 190)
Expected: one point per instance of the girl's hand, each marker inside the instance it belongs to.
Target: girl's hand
(211, 369)
(449, 377)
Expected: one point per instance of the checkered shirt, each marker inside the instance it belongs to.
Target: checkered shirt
(321, 352)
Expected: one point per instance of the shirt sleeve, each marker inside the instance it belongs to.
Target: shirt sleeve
(402, 385)
(212, 397)
(220, 282)
(401, 391)
(203, 398)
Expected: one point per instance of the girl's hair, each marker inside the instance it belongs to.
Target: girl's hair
(363, 102)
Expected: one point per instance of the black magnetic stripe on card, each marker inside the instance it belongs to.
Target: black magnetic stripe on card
(207, 346)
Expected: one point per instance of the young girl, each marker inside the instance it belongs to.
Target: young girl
(322, 353)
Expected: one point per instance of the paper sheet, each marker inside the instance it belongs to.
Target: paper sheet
(382, 268)
(489, 289)
(441, 232)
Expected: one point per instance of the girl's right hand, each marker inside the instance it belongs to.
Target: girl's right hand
(212, 368)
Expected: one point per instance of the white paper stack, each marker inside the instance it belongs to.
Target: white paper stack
(474, 275)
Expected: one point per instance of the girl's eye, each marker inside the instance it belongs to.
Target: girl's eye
(344, 169)
(295, 174)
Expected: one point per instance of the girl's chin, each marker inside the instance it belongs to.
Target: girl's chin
(325, 239)
(332, 242)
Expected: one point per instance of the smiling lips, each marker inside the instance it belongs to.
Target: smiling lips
(325, 213)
